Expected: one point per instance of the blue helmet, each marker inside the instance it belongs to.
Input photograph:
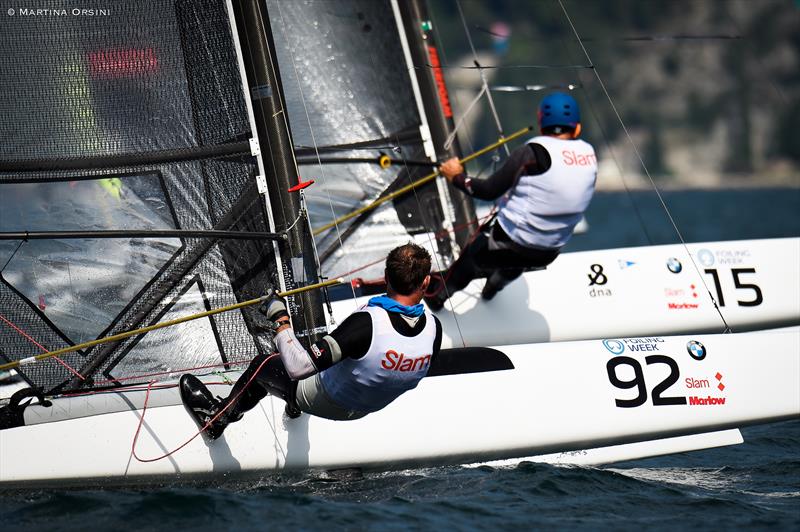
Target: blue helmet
(559, 109)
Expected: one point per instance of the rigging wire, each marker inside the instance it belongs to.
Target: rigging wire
(644, 167)
(675, 37)
(432, 243)
(12, 255)
(484, 81)
(606, 137)
(452, 136)
(512, 67)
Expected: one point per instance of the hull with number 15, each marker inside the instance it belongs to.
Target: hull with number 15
(632, 291)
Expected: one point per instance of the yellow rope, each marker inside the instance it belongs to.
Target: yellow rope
(128, 334)
(422, 181)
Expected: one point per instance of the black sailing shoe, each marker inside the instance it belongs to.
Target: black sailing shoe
(203, 406)
(291, 411)
(489, 290)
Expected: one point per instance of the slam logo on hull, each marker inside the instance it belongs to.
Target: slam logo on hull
(693, 383)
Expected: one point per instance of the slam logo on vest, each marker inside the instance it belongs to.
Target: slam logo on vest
(394, 361)
(573, 158)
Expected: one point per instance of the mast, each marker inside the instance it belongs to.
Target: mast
(436, 103)
(297, 252)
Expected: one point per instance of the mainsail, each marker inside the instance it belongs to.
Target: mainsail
(136, 121)
(353, 85)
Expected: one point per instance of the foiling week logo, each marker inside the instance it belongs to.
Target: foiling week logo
(705, 257)
(614, 346)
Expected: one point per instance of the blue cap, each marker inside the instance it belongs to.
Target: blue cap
(559, 109)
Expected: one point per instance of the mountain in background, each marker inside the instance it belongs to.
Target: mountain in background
(709, 90)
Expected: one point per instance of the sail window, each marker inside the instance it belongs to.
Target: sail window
(81, 285)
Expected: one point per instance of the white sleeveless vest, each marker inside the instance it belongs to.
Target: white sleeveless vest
(393, 364)
(542, 210)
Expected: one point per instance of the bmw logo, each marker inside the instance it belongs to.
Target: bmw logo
(614, 346)
(696, 350)
(674, 265)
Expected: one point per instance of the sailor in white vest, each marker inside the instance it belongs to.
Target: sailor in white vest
(379, 352)
(546, 186)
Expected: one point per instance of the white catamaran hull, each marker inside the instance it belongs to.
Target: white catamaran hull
(558, 398)
(631, 291)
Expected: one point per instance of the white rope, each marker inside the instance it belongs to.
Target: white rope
(452, 136)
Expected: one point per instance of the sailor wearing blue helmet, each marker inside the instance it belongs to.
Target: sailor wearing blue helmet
(545, 185)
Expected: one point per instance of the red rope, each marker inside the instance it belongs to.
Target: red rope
(203, 429)
(40, 346)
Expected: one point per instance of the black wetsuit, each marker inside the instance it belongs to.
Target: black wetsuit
(492, 253)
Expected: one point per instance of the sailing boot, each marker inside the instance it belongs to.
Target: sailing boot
(204, 406)
(494, 283)
(498, 280)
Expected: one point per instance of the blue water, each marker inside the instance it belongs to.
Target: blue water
(755, 485)
(618, 219)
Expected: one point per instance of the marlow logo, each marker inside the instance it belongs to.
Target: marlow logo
(614, 346)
